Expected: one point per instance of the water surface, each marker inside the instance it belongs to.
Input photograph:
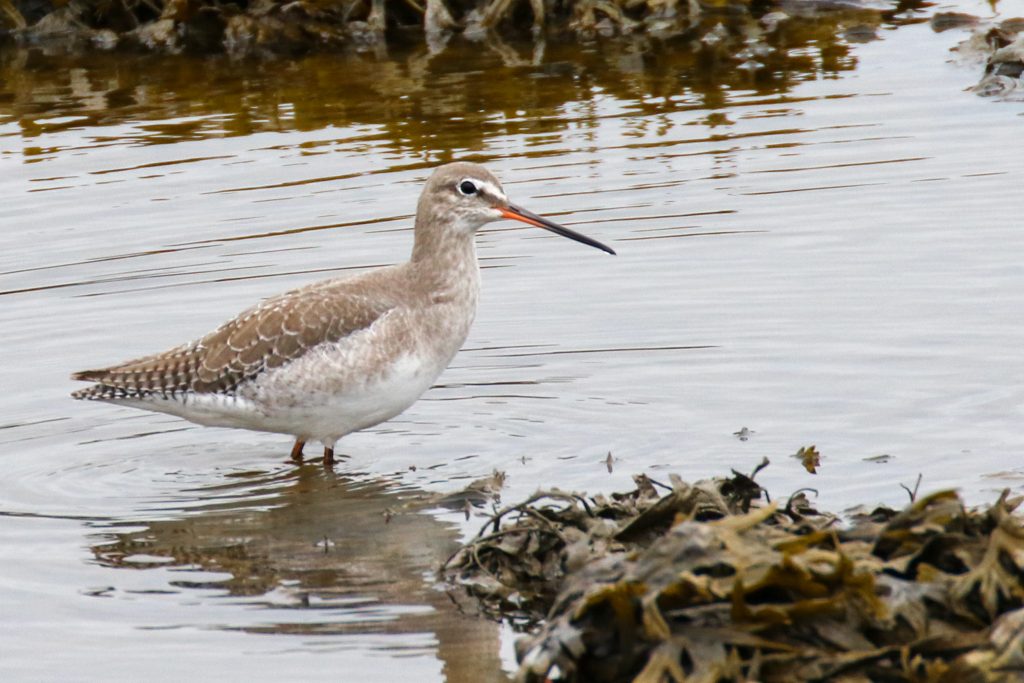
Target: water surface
(824, 251)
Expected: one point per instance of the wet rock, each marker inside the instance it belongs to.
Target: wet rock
(995, 85)
(1001, 48)
(65, 22)
(160, 36)
(437, 20)
(944, 21)
(240, 34)
(11, 17)
(1008, 60)
(105, 39)
(266, 27)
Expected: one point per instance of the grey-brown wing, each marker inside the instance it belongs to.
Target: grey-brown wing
(266, 336)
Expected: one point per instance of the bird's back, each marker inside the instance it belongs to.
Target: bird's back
(260, 339)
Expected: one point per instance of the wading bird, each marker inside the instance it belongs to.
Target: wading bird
(340, 355)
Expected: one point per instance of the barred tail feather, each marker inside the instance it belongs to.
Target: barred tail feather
(96, 392)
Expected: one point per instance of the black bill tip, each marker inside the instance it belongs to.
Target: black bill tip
(523, 216)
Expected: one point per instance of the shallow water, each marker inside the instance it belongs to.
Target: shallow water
(826, 254)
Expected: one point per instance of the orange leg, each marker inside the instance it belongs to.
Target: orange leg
(328, 456)
(297, 450)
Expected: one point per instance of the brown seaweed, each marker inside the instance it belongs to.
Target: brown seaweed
(712, 582)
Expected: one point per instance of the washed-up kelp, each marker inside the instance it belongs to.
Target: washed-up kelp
(711, 582)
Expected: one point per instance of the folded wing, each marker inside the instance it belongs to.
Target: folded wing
(267, 336)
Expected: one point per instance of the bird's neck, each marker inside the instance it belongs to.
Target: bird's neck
(445, 261)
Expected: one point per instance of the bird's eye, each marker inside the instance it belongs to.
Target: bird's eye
(468, 187)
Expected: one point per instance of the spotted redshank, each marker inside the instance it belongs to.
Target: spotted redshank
(339, 355)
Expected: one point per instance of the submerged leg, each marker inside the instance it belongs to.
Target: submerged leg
(328, 456)
(297, 450)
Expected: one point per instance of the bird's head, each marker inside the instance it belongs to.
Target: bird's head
(463, 197)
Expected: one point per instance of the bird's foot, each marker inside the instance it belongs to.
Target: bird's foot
(328, 457)
(296, 455)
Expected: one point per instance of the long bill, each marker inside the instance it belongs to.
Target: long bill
(530, 218)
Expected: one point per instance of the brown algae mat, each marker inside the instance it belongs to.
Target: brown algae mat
(713, 581)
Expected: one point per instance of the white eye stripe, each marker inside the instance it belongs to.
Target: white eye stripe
(469, 187)
(492, 190)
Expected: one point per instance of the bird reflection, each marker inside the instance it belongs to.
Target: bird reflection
(360, 552)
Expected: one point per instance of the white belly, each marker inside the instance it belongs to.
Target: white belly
(310, 411)
(326, 413)
(319, 397)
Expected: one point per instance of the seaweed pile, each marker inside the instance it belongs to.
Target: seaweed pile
(246, 27)
(713, 582)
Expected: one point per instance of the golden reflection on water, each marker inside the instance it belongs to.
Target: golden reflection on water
(344, 555)
(429, 102)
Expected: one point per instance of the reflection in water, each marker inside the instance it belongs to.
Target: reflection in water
(324, 554)
(428, 102)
